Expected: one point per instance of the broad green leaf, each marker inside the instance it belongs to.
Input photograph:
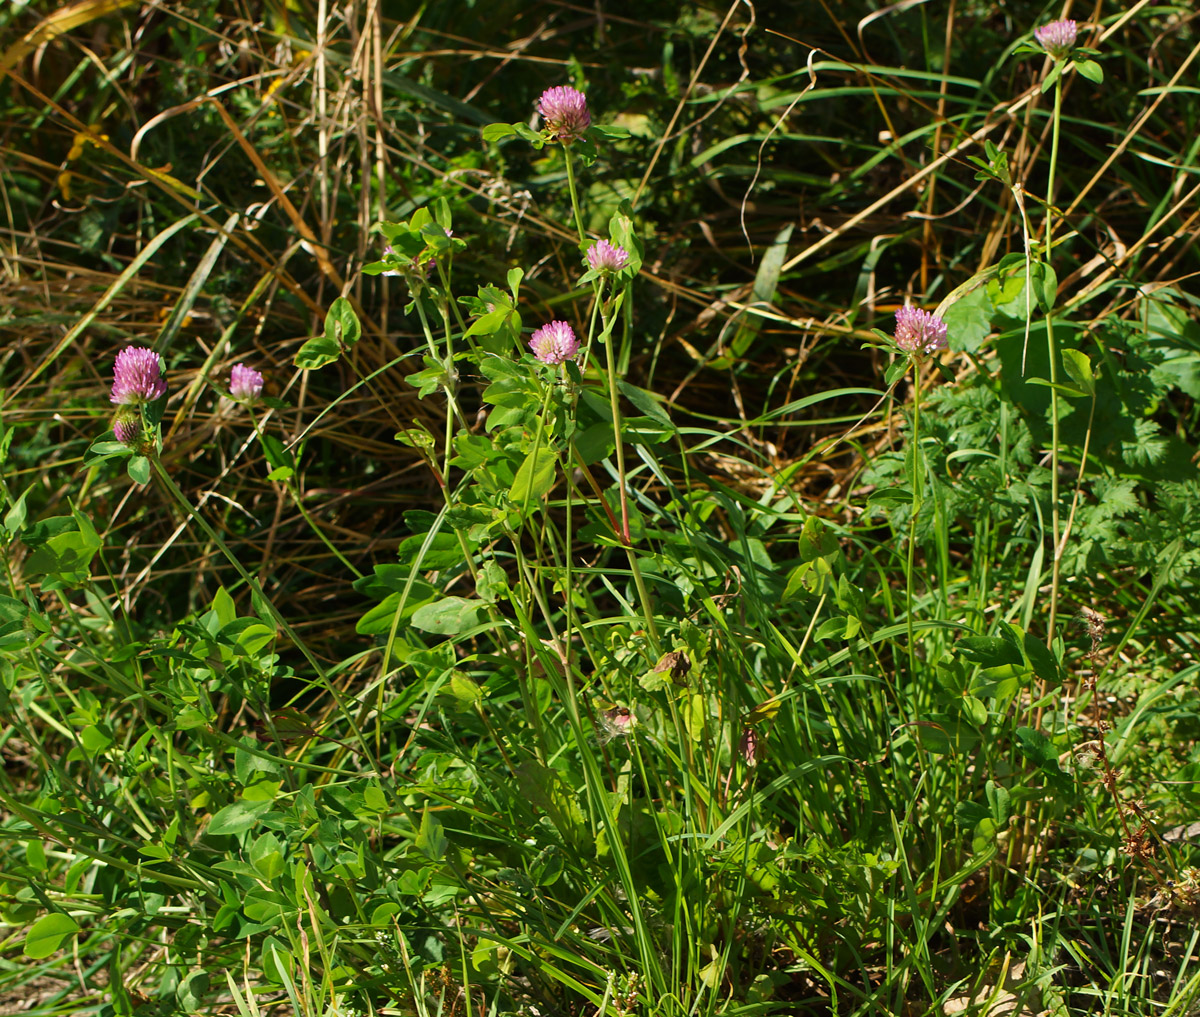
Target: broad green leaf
(969, 321)
(95, 738)
(535, 477)
(1079, 367)
(596, 442)
(341, 323)
(237, 818)
(262, 791)
(375, 799)
(494, 132)
(47, 934)
(489, 323)
(431, 841)
(463, 690)
(448, 616)
(192, 991)
(316, 353)
(14, 519)
(695, 716)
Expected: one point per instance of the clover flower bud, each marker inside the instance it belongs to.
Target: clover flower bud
(137, 377)
(554, 342)
(1057, 38)
(127, 430)
(606, 257)
(918, 331)
(564, 113)
(245, 383)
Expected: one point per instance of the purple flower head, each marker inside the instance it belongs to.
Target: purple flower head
(127, 430)
(137, 377)
(606, 257)
(564, 113)
(554, 342)
(919, 331)
(245, 383)
(1057, 38)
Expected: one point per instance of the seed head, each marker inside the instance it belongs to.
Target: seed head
(606, 257)
(137, 377)
(918, 331)
(245, 384)
(564, 113)
(1057, 38)
(554, 342)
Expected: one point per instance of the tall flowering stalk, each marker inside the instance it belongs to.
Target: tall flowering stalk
(1057, 38)
(565, 118)
(918, 334)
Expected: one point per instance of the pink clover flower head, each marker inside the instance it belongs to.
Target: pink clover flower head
(918, 331)
(554, 342)
(127, 430)
(1057, 38)
(564, 113)
(245, 383)
(606, 257)
(137, 377)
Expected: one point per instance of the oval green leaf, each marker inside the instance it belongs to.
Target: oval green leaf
(46, 935)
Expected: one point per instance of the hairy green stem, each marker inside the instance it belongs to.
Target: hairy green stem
(916, 480)
(1052, 348)
(574, 193)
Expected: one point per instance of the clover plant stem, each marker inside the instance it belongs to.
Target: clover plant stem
(915, 479)
(447, 387)
(574, 193)
(1052, 348)
(639, 581)
(626, 539)
(294, 490)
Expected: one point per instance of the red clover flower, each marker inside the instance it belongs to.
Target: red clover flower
(137, 377)
(554, 342)
(605, 257)
(245, 384)
(564, 113)
(1057, 38)
(919, 332)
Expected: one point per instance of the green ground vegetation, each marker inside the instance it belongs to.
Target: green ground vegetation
(746, 662)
